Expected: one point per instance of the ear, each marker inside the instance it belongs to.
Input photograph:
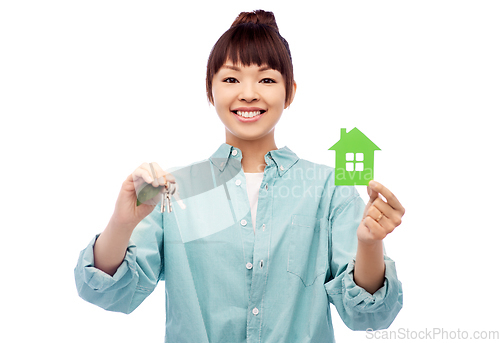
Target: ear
(294, 89)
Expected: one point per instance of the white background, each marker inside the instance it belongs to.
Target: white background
(89, 90)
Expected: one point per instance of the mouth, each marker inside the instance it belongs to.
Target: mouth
(248, 117)
(249, 114)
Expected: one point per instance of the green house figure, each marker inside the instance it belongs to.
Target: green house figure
(354, 155)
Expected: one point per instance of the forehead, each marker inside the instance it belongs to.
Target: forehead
(228, 66)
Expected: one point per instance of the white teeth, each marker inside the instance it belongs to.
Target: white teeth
(248, 114)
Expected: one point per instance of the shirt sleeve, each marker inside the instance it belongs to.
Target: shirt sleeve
(359, 309)
(135, 278)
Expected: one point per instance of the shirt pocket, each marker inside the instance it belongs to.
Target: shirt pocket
(307, 250)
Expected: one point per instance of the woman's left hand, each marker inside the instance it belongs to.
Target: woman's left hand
(380, 217)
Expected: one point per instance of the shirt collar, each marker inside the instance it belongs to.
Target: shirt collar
(283, 158)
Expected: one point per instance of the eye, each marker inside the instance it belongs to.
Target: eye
(272, 81)
(229, 80)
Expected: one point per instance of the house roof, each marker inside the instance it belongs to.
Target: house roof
(355, 140)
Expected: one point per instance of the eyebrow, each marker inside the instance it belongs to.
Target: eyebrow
(263, 68)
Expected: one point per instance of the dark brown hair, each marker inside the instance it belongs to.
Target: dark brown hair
(253, 38)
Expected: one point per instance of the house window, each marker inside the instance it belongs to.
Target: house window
(353, 164)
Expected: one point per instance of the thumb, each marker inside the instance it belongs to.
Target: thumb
(371, 192)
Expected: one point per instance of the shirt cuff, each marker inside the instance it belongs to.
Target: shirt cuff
(97, 279)
(384, 299)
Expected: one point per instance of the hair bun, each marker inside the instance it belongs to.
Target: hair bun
(257, 17)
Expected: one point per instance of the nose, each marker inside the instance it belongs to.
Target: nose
(248, 92)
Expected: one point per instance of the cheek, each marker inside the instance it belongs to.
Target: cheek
(219, 94)
(278, 97)
(220, 102)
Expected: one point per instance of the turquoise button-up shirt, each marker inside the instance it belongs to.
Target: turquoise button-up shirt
(223, 283)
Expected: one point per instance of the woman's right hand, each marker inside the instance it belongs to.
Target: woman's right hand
(127, 213)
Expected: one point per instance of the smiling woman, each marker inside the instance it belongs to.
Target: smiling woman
(254, 255)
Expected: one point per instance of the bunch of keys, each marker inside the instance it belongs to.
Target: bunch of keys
(165, 197)
(170, 190)
(166, 200)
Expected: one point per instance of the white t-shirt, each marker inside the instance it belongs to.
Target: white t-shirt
(253, 183)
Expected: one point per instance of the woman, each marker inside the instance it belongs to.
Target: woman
(265, 241)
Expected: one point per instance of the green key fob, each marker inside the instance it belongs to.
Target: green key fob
(147, 192)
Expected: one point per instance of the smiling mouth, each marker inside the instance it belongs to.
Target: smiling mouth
(249, 114)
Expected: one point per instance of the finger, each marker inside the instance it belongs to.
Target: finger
(376, 230)
(392, 215)
(157, 173)
(374, 212)
(388, 211)
(372, 193)
(381, 217)
(162, 176)
(391, 198)
(143, 172)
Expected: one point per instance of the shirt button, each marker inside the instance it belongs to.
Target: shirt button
(249, 265)
(243, 222)
(238, 182)
(266, 186)
(261, 263)
(263, 227)
(281, 168)
(255, 311)
(235, 152)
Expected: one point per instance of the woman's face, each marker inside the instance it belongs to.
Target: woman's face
(249, 100)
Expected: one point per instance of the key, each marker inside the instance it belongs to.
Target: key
(162, 206)
(168, 200)
(165, 199)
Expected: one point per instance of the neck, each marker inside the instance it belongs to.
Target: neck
(253, 151)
